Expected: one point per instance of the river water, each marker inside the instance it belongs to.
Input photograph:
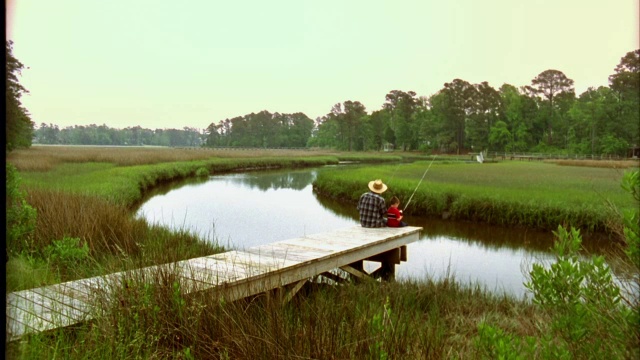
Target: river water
(254, 208)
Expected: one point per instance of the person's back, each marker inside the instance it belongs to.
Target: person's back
(371, 206)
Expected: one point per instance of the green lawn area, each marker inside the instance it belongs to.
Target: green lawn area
(532, 194)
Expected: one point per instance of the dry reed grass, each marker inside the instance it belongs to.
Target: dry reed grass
(109, 229)
(106, 227)
(426, 320)
(610, 164)
(45, 158)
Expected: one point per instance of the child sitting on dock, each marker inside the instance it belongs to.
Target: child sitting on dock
(394, 215)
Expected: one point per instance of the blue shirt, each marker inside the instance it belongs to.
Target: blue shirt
(372, 210)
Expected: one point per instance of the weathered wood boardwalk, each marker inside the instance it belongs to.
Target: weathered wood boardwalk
(232, 275)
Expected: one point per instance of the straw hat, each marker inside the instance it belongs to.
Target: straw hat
(377, 186)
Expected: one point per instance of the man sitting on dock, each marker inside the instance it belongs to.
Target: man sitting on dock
(372, 207)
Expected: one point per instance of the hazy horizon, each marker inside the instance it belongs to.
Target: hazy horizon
(161, 64)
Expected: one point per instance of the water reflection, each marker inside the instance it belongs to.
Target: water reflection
(244, 210)
(269, 180)
(488, 237)
(255, 208)
(337, 207)
(264, 180)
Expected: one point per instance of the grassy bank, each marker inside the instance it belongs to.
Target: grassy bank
(122, 175)
(84, 228)
(528, 194)
(83, 196)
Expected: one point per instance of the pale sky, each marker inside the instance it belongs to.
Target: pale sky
(171, 64)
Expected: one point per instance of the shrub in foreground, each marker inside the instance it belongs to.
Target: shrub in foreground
(589, 316)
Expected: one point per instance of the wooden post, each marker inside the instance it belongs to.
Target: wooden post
(294, 290)
(388, 261)
(359, 266)
(403, 253)
(388, 272)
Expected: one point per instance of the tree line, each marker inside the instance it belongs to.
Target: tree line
(264, 130)
(104, 135)
(544, 116)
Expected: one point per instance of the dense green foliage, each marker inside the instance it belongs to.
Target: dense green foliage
(589, 316)
(19, 127)
(104, 135)
(543, 117)
(593, 314)
(631, 184)
(261, 130)
(20, 216)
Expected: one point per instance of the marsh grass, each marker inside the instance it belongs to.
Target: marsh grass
(153, 316)
(122, 175)
(113, 237)
(536, 195)
(45, 158)
(610, 164)
(127, 184)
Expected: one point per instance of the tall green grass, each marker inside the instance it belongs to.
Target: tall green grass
(536, 195)
(127, 184)
(114, 240)
(153, 318)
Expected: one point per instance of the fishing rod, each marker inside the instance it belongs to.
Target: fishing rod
(420, 182)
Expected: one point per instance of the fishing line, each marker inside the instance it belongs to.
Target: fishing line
(414, 190)
(394, 172)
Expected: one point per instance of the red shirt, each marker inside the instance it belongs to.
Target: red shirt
(393, 217)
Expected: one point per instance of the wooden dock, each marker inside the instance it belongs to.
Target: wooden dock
(284, 265)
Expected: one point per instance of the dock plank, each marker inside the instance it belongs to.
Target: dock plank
(21, 322)
(73, 289)
(233, 275)
(250, 257)
(289, 252)
(70, 307)
(31, 305)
